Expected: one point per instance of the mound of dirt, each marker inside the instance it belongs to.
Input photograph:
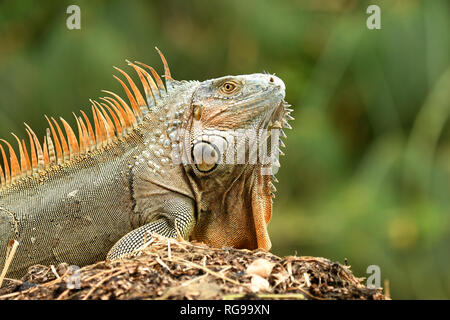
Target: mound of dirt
(169, 269)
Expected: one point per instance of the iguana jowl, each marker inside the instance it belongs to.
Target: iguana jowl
(79, 198)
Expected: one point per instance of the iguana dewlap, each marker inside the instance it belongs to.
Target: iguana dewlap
(166, 161)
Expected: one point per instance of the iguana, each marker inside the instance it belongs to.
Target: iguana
(159, 162)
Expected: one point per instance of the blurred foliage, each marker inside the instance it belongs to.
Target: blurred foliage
(367, 171)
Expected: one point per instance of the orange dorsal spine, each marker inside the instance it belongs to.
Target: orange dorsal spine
(90, 131)
(15, 167)
(59, 153)
(51, 148)
(6, 166)
(24, 146)
(23, 161)
(45, 152)
(33, 153)
(117, 122)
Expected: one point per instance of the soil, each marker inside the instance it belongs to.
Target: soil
(171, 269)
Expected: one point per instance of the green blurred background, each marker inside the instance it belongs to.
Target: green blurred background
(367, 171)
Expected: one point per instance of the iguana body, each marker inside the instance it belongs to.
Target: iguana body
(152, 164)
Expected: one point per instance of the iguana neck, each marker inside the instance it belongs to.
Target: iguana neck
(236, 212)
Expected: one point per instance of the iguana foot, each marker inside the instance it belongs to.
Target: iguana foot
(139, 238)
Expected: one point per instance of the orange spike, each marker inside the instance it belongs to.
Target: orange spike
(27, 157)
(117, 123)
(100, 137)
(166, 66)
(23, 162)
(111, 125)
(120, 112)
(80, 135)
(15, 168)
(40, 154)
(107, 130)
(71, 139)
(110, 129)
(141, 72)
(45, 149)
(137, 93)
(133, 102)
(34, 162)
(51, 147)
(131, 118)
(59, 153)
(85, 134)
(6, 165)
(154, 88)
(90, 131)
(155, 75)
(65, 148)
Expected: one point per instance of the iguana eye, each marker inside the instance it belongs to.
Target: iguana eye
(228, 87)
(206, 156)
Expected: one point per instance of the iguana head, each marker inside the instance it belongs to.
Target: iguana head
(231, 147)
(238, 102)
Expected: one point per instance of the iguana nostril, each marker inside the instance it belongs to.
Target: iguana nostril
(274, 80)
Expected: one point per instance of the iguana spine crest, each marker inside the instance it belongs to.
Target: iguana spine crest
(113, 119)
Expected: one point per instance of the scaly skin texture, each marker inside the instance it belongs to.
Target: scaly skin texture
(159, 162)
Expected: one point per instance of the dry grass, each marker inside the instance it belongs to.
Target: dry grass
(169, 269)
